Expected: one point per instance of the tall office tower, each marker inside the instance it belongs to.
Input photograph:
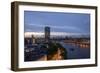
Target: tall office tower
(33, 39)
(47, 34)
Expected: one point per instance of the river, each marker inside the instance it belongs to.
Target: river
(75, 52)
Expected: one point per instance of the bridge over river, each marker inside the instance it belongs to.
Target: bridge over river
(76, 52)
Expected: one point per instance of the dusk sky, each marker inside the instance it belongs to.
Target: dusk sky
(35, 21)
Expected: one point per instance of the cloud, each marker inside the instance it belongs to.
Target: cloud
(67, 27)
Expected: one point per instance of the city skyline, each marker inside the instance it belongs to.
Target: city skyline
(56, 36)
(42, 34)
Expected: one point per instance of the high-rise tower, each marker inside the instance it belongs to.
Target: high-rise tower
(47, 34)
